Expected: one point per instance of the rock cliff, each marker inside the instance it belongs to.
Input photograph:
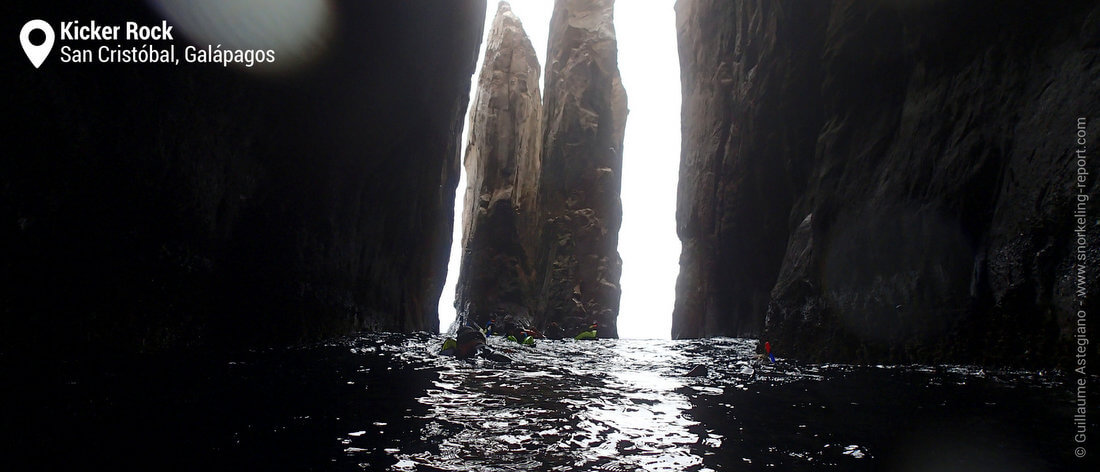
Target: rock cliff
(154, 206)
(502, 160)
(750, 81)
(578, 264)
(542, 210)
(887, 181)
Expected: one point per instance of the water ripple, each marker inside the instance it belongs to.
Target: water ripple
(388, 402)
(625, 405)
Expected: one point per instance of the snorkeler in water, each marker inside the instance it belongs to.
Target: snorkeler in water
(470, 343)
(523, 337)
(590, 333)
(554, 331)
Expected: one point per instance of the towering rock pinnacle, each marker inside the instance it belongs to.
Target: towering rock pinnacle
(502, 165)
(585, 110)
(542, 214)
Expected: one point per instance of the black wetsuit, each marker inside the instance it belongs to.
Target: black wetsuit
(471, 343)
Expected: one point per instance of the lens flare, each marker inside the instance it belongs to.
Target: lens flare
(296, 30)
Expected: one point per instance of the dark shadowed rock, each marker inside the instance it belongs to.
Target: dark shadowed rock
(899, 175)
(200, 205)
(500, 219)
(751, 111)
(578, 264)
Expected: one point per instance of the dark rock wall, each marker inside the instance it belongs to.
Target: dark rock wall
(886, 181)
(500, 219)
(147, 207)
(751, 110)
(578, 265)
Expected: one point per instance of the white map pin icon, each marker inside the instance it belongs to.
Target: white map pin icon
(37, 54)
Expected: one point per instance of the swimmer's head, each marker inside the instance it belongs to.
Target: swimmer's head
(468, 339)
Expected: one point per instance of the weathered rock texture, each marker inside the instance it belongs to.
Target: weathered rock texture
(750, 108)
(147, 206)
(542, 213)
(886, 181)
(500, 219)
(578, 264)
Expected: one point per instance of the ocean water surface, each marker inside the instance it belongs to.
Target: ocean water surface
(387, 402)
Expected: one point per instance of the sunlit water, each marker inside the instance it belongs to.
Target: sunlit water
(387, 402)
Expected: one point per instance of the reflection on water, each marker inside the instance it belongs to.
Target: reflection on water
(386, 402)
(563, 405)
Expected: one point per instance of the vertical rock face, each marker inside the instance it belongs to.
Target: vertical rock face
(888, 181)
(750, 114)
(578, 264)
(502, 166)
(542, 210)
(202, 205)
